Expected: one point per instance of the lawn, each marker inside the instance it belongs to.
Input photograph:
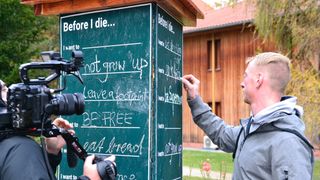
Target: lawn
(221, 162)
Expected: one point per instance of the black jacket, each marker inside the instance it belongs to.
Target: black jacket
(21, 158)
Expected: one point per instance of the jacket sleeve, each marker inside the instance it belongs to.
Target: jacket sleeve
(292, 159)
(22, 158)
(221, 134)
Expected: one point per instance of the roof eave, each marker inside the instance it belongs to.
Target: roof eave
(221, 26)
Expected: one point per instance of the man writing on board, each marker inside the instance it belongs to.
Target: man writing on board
(270, 144)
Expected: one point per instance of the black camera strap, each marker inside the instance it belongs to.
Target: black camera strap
(45, 157)
(43, 146)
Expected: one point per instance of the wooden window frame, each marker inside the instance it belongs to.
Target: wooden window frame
(217, 54)
(218, 108)
(209, 54)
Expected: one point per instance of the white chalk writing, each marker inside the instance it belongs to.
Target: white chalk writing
(107, 119)
(171, 71)
(125, 148)
(175, 48)
(161, 126)
(171, 97)
(85, 25)
(71, 47)
(165, 23)
(126, 177)
(69, 176)
(94, 146)
(171, 149)
(117, 95)
(108, 67)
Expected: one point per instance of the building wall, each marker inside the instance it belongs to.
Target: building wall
(195, 62)
(220, 88)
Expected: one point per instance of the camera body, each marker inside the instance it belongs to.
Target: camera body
(30, 103)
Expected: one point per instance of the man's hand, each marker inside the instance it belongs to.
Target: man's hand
(54, 144)
(90, 170)
(191, 85)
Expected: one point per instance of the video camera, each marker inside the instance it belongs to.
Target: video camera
(32, 102)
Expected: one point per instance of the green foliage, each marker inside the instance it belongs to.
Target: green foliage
(20, 30)
(305, 85)
(293, 24)
(316, 170)
(50, 37)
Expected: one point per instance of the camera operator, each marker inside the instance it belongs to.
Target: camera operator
(22, 158)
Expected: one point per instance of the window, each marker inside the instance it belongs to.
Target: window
(209, 54)
(217, 54)
(210, 104)
(217, 108)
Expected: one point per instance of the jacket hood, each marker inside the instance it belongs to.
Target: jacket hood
(275, 113)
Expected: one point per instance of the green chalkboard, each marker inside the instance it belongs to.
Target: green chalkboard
(169, 97)
(132, 88)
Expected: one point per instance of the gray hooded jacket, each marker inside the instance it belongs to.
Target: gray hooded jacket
(263, 153)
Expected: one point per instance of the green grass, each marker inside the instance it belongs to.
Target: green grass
(219, 161)
(195, 158)
(316, 170)
(192, 178)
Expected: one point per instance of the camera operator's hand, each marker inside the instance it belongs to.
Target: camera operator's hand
(91, 170)
(54, 144)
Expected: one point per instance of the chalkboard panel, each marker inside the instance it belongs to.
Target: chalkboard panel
(132, 89)
(169, 97)
(116, 74)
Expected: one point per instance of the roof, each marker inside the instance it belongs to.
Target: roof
(183, 10)
(237, 14)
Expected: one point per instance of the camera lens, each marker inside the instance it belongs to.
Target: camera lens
(68, 104)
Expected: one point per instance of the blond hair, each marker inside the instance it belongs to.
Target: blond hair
(277, 66)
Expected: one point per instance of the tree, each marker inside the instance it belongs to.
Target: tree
(306, 87)
(293, 24)
(295, 27)
(20, 31)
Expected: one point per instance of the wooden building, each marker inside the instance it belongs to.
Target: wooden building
(215, 52)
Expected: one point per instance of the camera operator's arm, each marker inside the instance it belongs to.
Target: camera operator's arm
(54, 144)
